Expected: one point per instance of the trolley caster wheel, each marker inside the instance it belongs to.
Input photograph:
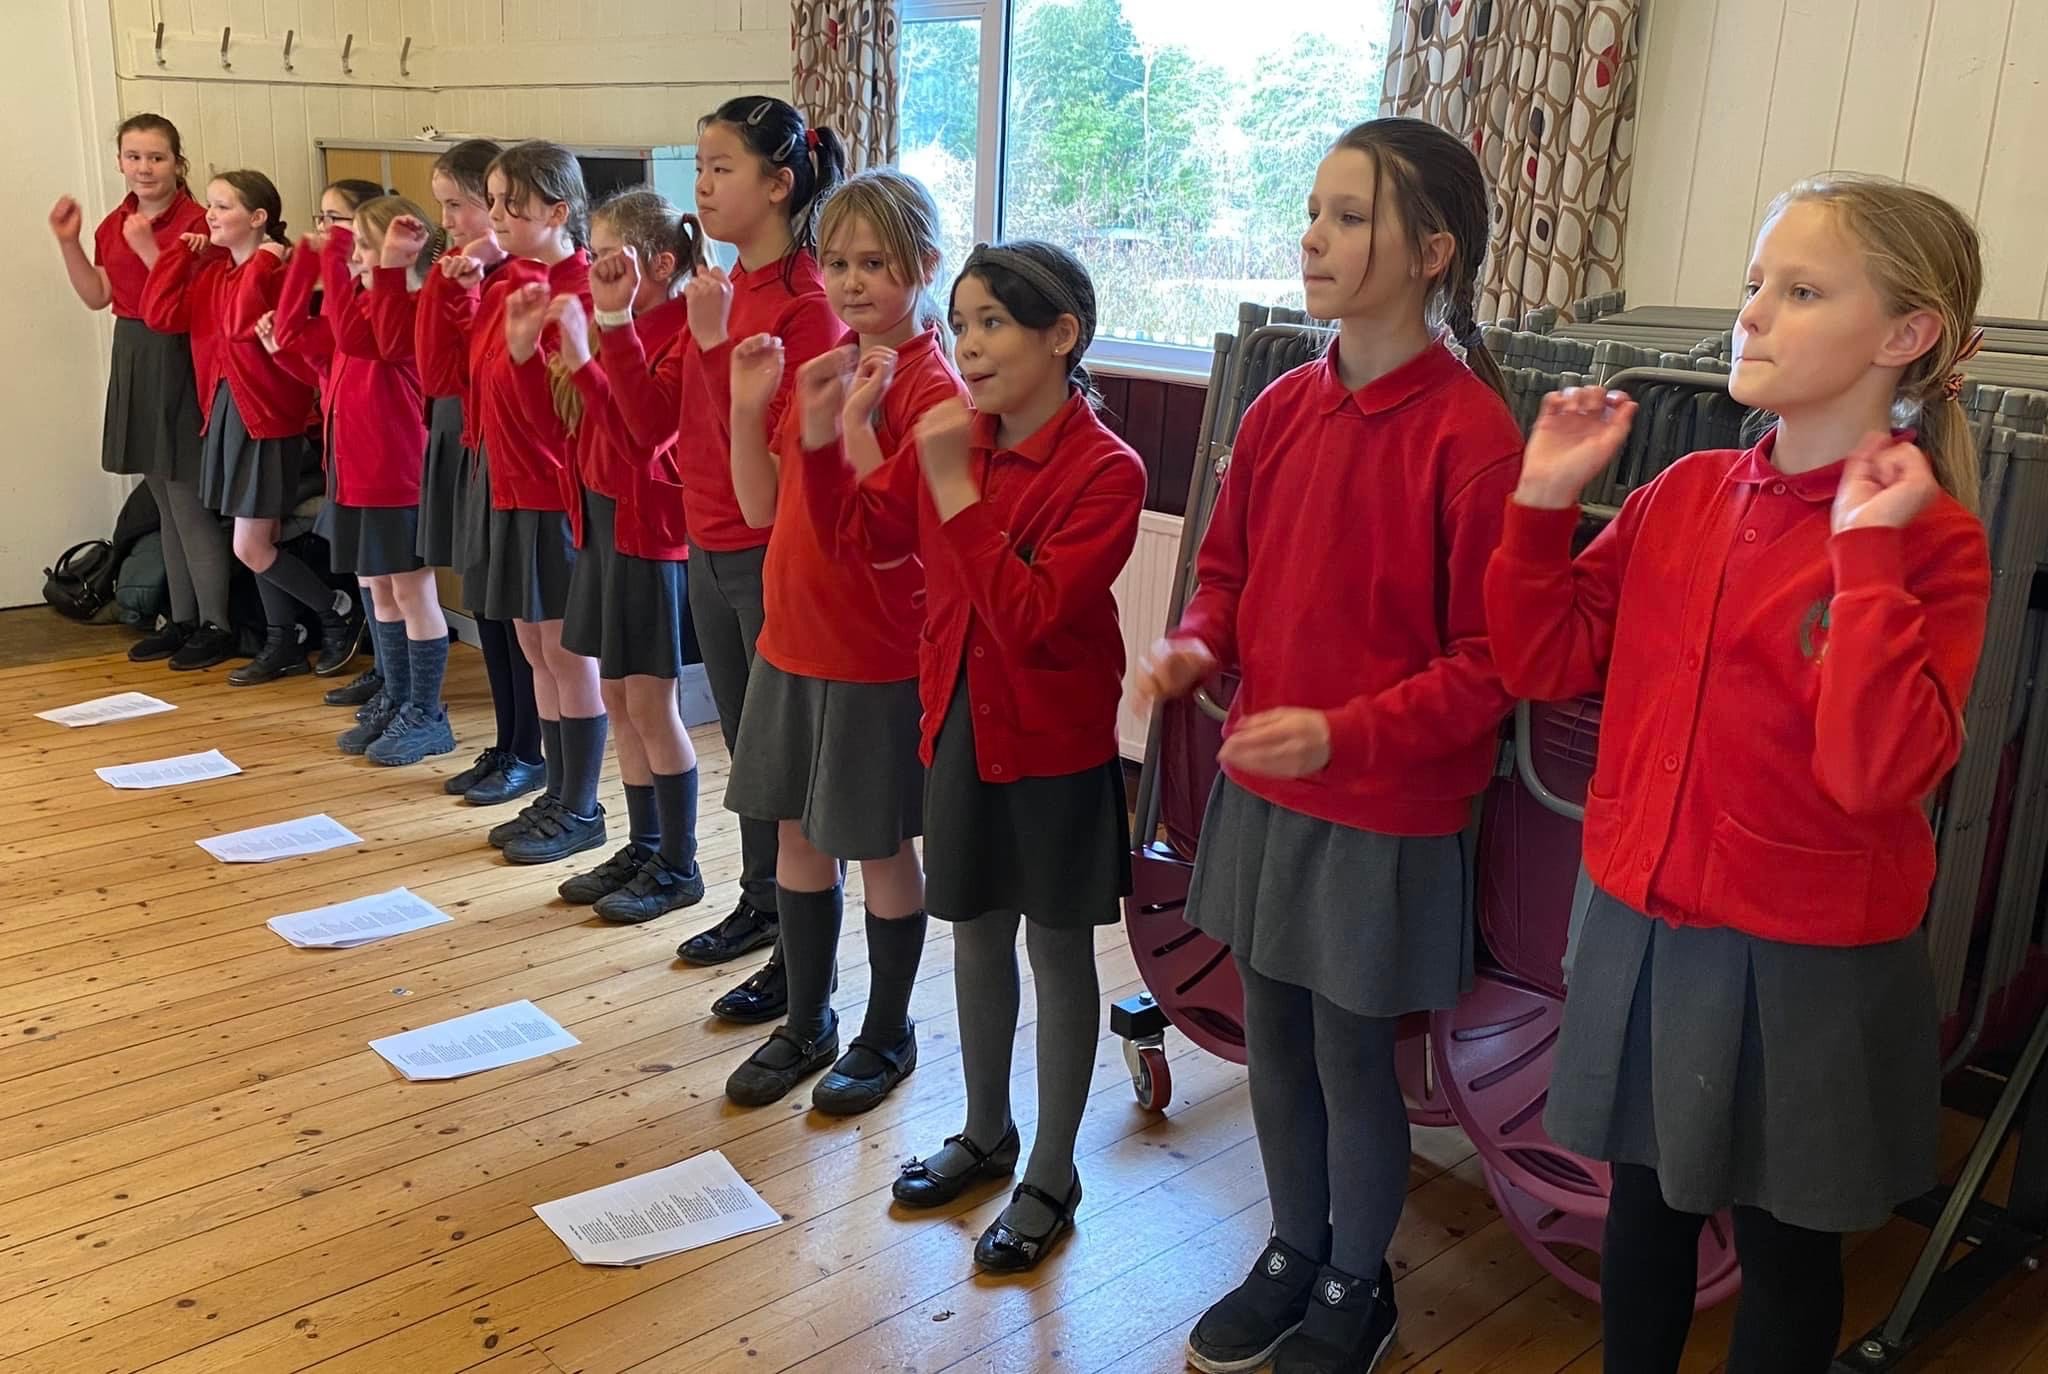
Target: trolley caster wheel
(1151, 1075)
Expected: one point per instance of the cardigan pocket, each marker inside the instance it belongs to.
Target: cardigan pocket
(1783, 891)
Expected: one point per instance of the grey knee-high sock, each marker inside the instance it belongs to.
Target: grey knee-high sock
(177, 575)
(280, 611)
(289, 573)
(582, 760)
(1368, 1134)
(642, 827)
(427, 663)
(985, 987)
(1287, 1109)
(394, 664)
(1069, 1020)
(205, 549)
(551, 755)
(675, 801)
(895, 948)
(810, 947)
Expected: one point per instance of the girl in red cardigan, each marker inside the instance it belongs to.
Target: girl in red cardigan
(152, 419)
(828, 741)
(627, 597)
(761, 174)
(539, 216)
(1343, 575)
(376, 435)
(218, 286)
(1785, 638)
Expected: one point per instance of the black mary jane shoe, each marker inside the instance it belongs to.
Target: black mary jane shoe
(919, 1185)
(1003, 1249)
(847, 1092)
(772, 1072)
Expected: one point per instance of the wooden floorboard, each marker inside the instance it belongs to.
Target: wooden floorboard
(204, 1169)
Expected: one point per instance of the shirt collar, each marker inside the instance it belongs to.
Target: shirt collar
(131, 203)
(1817, 486)
(1424, 372)
(1038, 448)
(804, 275)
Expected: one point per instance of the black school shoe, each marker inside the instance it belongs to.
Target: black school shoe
(1003, 1249)
(357, 691)
(656, 889)
(555, 834)
(341, 639)
(774, 1070)
(1245, 1326)
(868, 1072)
(282, 656)
(763, 997)
(205, 647)
(584, 889)
(919, 1185)
(161, 643)
(1348, 1329)
(505, 832)
(514, 779)
(743, 932)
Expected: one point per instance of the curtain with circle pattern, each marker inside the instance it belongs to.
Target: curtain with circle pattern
(845, 74)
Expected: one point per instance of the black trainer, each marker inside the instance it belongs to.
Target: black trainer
(485, 764)
(341, 639)
(513, 780)
(358, 690)
(1348, 1329)
(282, 656)
(371, 722)
(657, 889)
(205, 647)
(529, 815)
(582, 889)
(743, 932)
(160, 643)
(762, 997)
(1246, 1325)
(555, 834)
(412, 735)
(772, 1071)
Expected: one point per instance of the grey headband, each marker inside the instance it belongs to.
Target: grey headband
(1048, 282)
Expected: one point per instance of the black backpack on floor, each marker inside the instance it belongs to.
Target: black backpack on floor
(81, 583)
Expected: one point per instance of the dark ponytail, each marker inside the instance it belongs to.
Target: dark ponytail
(815, 158)
(257, 192)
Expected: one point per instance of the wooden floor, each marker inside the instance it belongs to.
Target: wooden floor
(203, 1169)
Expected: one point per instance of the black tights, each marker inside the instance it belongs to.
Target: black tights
(1788, 1318)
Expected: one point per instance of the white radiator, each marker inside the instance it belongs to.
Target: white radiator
(1143, 590)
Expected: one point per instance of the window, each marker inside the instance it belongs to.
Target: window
(1169, 143)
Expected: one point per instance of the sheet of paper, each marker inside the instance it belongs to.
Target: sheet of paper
(345, 925)
(481, 1040)
(170, 772)
(284, 840)
(698, 1202)
(100, 710)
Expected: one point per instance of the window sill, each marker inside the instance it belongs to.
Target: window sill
(1155, 362)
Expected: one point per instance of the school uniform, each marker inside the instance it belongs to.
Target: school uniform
(1343, 572)
(830, 736)
(391, 306)
(254, 434)
(1020, 662)
(152, 419)
(372, 412)
(627, 599)
(1751, 1012)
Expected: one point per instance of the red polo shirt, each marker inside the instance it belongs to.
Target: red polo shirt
(218, 302)
(1344, 571)
(126, 274)
(1017, 586)
(1827, 672)
(830, 612)
(690, 394)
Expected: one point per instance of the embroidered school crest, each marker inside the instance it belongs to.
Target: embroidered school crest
(1276, 1265)
(1333, 1292)
(1813, 631)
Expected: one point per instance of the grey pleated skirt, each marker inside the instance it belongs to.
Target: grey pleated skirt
(152, 421)
(1057, 849)
(1381, 925)
(472, 545)
(625, 612)
(838, 757)
(243, 476)
(442, 474)
(369, 541)
(532, 558)
(1802, 1080)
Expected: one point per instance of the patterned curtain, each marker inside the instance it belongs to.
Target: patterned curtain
(1544, 92)
(845, 74)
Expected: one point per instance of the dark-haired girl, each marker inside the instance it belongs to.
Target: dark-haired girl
(152, 419)
(1332, 861)
(219, 286)
(761, 172)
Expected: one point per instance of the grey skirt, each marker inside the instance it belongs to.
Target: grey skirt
(246, 477)
(625, 612)
(1056, 849)
(838, 757)
(1802, 1080)
(369, 541)
(152, 421)
(530, 564)
(442, 473)
(472, 545)
(1381, 925)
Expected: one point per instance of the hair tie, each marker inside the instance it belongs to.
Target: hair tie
(1952, 387)
(811, 139)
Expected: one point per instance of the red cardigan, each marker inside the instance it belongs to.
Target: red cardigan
(642, 479)
(219, 301)
(1827, 673)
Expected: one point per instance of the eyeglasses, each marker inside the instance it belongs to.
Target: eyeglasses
(330, 218)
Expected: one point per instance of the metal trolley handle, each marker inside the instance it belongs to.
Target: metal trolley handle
(1525, 767)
